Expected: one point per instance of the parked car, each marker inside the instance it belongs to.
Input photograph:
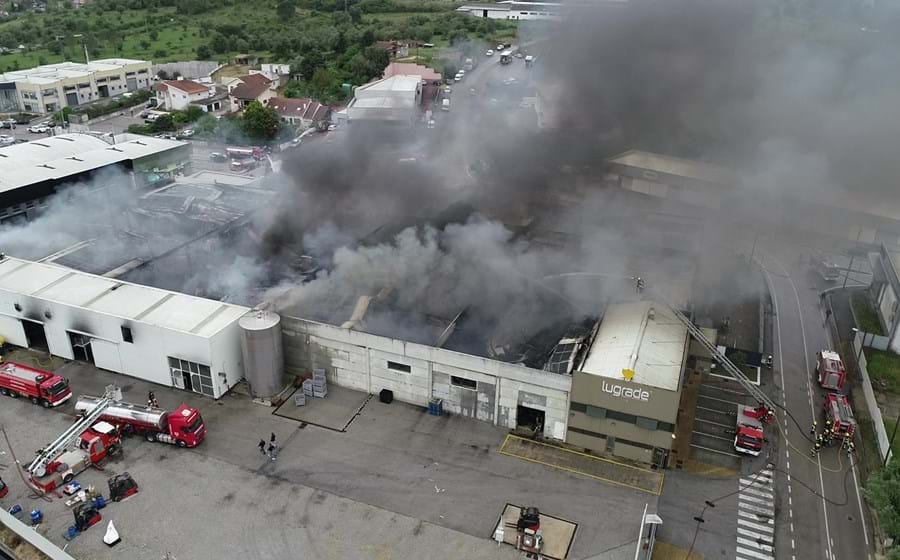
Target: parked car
(500, 47)
(6, 140)
(40, 128)
(430, 123)
(447, 90)
(8, 123)
(218, 157)
(489, 53)
(186, 133)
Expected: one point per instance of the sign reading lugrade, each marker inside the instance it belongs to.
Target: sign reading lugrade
(626, 392)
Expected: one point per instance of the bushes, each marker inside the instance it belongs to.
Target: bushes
(100, 109)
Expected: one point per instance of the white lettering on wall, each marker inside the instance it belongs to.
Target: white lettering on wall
(626, 392)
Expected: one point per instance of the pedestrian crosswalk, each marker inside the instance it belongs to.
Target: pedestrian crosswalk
(756, 517)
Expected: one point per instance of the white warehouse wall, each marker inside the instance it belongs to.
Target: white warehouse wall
(145, 358)
(360, 361)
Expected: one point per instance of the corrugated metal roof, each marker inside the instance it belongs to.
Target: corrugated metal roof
(162, 308)
(22, 167)
(678, 167)
(629, 338)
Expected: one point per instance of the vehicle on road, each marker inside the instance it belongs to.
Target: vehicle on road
(489, 53)
(748, 433)
(824, 267)
(500, 47)
(153, 116)
(6, 140)
(445, 105)
(458, 78)
(245, 153)
(8, 123)
(218, 157)
(243, 165)
(40, 128)
(447, 90)
(830, 370)
(468, 65)
(39, 386)
(506, 57)
(840, 414)
(430, 123)
(93, 446)
(529, 61)
(183, 427)
(186, 133)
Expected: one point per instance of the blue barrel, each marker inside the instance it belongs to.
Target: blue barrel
(436, 407)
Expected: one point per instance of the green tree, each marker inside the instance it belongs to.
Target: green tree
(204, 52)
(206, 125)
(260, 122)
(164, 123)
(286, 9)
(145, 44)
(883, 492)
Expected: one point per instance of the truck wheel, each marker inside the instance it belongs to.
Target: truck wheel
(13, 394)
(151, 437)
(45, 403)
(180, 443)
(68, 478)
(34, 400)
(4, 392)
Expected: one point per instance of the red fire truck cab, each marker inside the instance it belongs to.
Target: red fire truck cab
(838, 411)
(95, 444)
(830, 370)
(39, 386)
(748, 433)
(183, 427)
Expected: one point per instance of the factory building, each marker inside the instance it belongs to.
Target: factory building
(32, 171)
(51, 87)
(625, 395)
(164, 337)
(396, 99)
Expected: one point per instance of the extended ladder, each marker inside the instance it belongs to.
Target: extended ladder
(60, 445)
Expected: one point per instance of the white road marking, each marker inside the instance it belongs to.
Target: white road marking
(754, 535)
(745, 553)
(756, 526)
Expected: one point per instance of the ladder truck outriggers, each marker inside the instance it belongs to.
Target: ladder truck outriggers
(84, 444)
(749, 435)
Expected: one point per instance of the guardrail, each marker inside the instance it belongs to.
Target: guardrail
(32, 537)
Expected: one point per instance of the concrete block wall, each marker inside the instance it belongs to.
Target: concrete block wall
(360, 361)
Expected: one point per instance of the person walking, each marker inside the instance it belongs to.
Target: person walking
(262, 446)
(812, 431)
(272, 451)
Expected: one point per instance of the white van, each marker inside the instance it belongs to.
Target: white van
(445, 105)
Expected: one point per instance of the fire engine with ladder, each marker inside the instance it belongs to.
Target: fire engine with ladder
(86, 443)
(749, 435)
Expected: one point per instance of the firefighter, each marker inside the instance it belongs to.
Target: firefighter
(827, 424)
(850, 448)
(815, 450)
(812, 431)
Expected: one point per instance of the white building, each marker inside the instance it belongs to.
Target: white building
(33, 171)
(393, 99)
(507, 9)
(178, 95)
(51, 87)
(280, 73)
(159, 336)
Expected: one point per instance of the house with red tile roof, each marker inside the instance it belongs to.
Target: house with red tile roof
(177, 95)
(253, 87)
(301, 112)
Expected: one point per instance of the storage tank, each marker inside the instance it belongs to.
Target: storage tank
(146, 415)
(262, 353)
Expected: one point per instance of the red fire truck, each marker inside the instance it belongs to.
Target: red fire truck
(830, 370)
(748, 432)
(37, 385)
(838, 411)
(94, 444)
(184, 427)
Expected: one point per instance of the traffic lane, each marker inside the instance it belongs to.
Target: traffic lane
(800, 511)
(852, 540)
(798, 301)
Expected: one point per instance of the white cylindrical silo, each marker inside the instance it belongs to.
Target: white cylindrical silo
(262, 353)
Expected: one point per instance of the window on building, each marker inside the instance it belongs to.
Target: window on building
(399, 367)
(126, 334)
(578, 407)
(646, 423)
(596, 411)
(463, 382)
(198, 375)
(621, 416)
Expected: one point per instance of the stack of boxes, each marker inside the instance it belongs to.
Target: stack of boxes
(316, 387)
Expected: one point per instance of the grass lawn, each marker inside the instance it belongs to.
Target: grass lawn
(889, 427)
(884, 369)
(865, 314)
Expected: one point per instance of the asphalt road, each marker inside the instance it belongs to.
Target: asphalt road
(819, 510)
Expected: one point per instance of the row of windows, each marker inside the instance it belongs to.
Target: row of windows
(454, 380)
(639, 421)
(199, 374)
(604, 436)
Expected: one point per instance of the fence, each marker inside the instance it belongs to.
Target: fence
(881, 436)
(871, 340)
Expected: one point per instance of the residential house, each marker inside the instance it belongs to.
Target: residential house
(302, 112)
(177, 95)
(280, 73)
(246, 59)
(397, 49)
(252, 87)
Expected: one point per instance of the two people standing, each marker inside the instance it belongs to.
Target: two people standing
(271, 450)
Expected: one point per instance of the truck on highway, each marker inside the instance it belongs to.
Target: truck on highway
(840, 414)
(748, 433)
(38, 386)
(830, 370)
(506, 57)
(183, 427)
(94, 445)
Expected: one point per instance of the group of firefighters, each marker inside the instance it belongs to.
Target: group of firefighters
(827, 438)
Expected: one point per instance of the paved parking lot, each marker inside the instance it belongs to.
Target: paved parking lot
(398, 483)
